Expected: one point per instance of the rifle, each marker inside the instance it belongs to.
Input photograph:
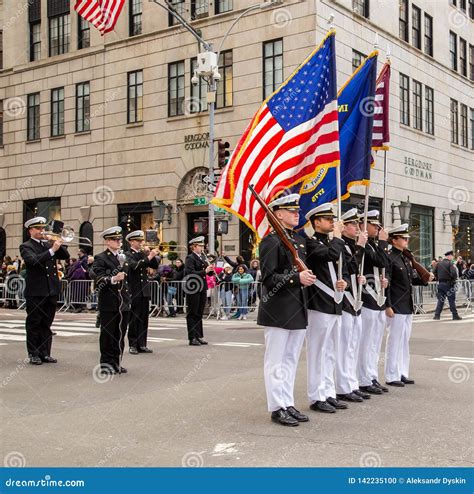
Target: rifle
(280, 231)
(423, 273)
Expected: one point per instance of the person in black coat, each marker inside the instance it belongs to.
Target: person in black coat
(42, 289)
(138, 264)
(195, 268)
(110, 270)
(399, 309)
(325, 307)
(447, 275)
(283, 312)
(178, 276)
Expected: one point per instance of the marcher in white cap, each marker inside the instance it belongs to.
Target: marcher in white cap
(373, 309)
(138, 263)
(110, 270)
(41, 290)
(399, 309)
(325, 309)
(282, 310)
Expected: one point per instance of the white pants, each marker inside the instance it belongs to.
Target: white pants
(321, 343)
(282, 352)
(347, 354)
(397, 351)
(373, 328)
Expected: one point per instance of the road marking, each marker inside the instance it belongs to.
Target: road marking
(459, 360)
(237, 344)
(160, 340)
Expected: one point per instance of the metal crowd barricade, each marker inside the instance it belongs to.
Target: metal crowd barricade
(174, 295)
(156, 298)
(425, 297)
(239, 300)
(75, 293)
(13, 290)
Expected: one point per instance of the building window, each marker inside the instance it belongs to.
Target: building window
(428, 35)
(57, 112)
(272, 66)
(223, 6)
(463, 244)
(86, 230)
(416, 27)
(404, 99)
(417, 106)
(199, 9)
(176, 89)
(35, 41)
(198, 92)
(361, 7)
(83, 33)
(33, 117)
(471, 62)
(180, 7)
(453, 50)
(83, 107)
(225, 86)
(463, 5)
(471, 9)
(1, 50)
(471, 118)
(422, 233)
(429, 110)
(135, 96)
(357, 59)
(403, 20)
(464, 133)
(59, 34)
(1, 123)
(463, 57)
(454, 122)
(135, 17)
(48, 207)
(453, 2)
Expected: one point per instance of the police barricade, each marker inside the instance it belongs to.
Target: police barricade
(174, 296)
(13, 292)
(76, 294)
(425, 297)
(234, 301)
(156, 298)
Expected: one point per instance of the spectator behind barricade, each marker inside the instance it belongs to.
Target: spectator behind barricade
(23, 270)
(60, 270)
(470, 273)
(11, 287)
(211, 281)
(256, 274)
(178, 275)
(238, 262)
(242, 279)
(459, 265)
(225, 289)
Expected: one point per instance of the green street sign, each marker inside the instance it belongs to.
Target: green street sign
(200, 201)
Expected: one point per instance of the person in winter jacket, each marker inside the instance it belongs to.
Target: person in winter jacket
(242, 279)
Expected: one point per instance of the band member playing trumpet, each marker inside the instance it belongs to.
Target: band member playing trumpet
(110, 271)
(42, 289)
(399, 309)
(324, 315)
(138, 263)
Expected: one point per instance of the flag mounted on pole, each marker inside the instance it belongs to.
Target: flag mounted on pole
(356, 104)
(102, 14)
(381, 132)
(293, 133)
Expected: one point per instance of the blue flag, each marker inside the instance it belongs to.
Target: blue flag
(356, 113)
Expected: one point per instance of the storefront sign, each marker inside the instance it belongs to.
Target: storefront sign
(196, 141)
(418, 169)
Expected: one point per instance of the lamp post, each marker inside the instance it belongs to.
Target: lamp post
(404, 208)
(454, 216)
(208, 67)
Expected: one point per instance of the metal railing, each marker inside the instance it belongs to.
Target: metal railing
(425, 297)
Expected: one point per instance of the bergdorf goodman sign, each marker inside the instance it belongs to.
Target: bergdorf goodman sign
(418, 168)
(196, 141)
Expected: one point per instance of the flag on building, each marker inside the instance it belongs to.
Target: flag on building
(356, 104)
(293, 133)
(102, 14)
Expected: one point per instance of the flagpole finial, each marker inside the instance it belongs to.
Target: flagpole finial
(376, 41)
(331, 20)
(389, 52)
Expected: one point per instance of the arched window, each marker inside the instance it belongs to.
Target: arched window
(3, 243)
(87, 230)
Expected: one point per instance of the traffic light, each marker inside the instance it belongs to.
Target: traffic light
(223, 153)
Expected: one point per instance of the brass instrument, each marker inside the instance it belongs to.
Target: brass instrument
(68, 237)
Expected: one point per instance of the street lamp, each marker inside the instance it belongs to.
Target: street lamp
(404, 208)
(208, 68)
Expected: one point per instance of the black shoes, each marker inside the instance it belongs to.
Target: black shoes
(349, 397)
(371, 389)
(133, 350)
(457, 317)
(336, 404)
(406, 380)
(107, 369)
(144, 349)
(194, 342)
(296, 414)
(322, 406)
(283, 417)
(363, 395)
(378, 385)
(203, 342)
(49, 360)
(436, 317)
(35, 361)
(121, 370)
(397, 384)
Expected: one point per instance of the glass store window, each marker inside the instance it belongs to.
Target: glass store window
(464, 237)
(422, 234)
(49, 208)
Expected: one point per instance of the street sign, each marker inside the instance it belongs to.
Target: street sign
(200, 201)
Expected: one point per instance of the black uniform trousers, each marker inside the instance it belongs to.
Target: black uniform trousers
(195, 303)
(40, 316)
(446, 290)
(112, 337)
(138, 327)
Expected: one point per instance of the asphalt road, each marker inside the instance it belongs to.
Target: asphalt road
(205, 406)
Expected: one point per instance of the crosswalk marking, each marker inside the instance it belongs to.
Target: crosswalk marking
(237, 344)
(459, 360)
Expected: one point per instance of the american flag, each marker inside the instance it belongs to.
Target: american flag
(102, 14)
(294, 132)
(380, 133)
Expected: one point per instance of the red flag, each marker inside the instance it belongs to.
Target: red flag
(102, 14)
(381, 133)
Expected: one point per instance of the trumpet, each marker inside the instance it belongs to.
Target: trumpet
(68, 236)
